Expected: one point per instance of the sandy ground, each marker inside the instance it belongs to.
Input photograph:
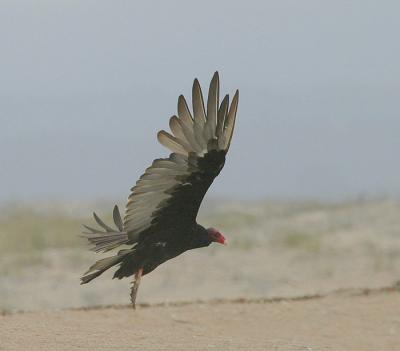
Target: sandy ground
(336, 322)
(282, 250)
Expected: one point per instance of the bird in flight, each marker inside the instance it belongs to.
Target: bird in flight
(160, 216)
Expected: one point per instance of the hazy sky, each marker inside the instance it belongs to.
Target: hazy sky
(85, 85)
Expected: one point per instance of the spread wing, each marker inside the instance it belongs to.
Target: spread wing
(170, 191)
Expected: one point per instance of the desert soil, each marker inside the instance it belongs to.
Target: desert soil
(339, 321)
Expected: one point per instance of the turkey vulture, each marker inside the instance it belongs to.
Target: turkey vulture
(160, 216)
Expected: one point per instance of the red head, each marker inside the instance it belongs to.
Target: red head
(216, 236)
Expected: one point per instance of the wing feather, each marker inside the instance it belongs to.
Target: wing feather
(230, 121)
(199, 114)
(212, 108)
(175, 186)
(223, 109)
(171, 142)
(177, 130)
(187, 124)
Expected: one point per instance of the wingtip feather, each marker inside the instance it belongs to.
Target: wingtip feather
(170, 142)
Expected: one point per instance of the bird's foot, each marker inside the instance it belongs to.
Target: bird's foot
(135, 287)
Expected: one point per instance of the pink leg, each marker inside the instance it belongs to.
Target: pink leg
(135, 287)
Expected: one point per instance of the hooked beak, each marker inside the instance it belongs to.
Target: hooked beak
(216, 236)
(222, 240)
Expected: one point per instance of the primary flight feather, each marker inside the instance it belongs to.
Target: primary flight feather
(160, 216)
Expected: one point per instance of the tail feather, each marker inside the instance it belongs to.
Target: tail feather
(105, 239)
(99, 267)
(109, 238)
(102, 265)
(90, 277)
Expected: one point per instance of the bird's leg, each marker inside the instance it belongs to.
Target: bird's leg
(135, 287)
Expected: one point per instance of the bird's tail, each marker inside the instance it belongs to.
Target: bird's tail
(107, 238)
(102, 265)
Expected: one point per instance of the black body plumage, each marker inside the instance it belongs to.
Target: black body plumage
(149, 254)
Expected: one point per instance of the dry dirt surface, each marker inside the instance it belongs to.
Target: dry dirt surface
(341, 321)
